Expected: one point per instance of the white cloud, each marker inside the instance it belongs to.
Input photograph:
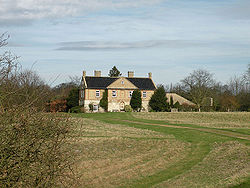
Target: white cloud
(14, 11)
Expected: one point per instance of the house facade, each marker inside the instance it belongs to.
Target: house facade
(120, 90)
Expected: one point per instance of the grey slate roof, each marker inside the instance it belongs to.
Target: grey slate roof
(99, 82)
(104, 82)
(143, 83)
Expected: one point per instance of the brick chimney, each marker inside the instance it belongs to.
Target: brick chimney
(150, 75)
(130, 74)
(97, 73)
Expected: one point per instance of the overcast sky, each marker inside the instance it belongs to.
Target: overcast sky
(170, 38)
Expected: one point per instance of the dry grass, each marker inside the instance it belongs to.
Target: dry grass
(116, 155)
(113, 155)
(226, 165)
(206, 119)
(93, 128)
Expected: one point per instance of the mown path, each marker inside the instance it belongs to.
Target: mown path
(201, 139)
(216, 131)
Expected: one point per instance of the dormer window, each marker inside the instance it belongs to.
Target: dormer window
(122, 82)
(97, 93)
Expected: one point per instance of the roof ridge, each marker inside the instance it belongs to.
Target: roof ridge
(139, 77)
(117, 77)
(104, 82)
(101, 77)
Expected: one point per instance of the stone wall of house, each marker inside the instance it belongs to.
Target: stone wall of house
(123, 89)
(87, 102)
(91, 98)
(117, 103)
(145, 100)
(90, 94)
(122, 83)
(123, 98)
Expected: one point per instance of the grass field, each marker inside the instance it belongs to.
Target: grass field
(162, 150)
(206, 119)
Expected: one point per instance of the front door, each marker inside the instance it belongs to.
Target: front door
(122, 106)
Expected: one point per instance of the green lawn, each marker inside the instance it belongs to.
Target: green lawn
(136, 150)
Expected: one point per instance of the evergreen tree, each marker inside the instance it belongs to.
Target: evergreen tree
(104, 100)
(171, 102)
(114, 72)
(136, 102)
(158, 101)
(73, 98)
(177, 105)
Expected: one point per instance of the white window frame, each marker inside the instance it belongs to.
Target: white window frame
(130, 94)
(97, 93)
(95, 107)
(144, 94)
(114, 93)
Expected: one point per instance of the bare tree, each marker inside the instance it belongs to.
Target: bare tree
(8, 61)
(246, 78)
(35, 148)
(236, 85)
(198, 84)
(3, 39)
(76, 80)
(247, 73)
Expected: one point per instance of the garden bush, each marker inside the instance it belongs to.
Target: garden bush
(77, 109)
(34, 150)
(128, 108)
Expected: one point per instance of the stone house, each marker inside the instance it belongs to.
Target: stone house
(119, 89)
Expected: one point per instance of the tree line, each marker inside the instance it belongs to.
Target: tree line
(199, 87)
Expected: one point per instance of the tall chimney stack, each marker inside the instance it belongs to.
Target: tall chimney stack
(150, 75)
(97, 73)
(84, 73)
(130, 74)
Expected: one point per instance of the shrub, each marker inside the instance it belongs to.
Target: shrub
(77, 109)
(128, 108)
(188, 108)
(91, 107)
(104, 100)
(57, 105)
(34, 150)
